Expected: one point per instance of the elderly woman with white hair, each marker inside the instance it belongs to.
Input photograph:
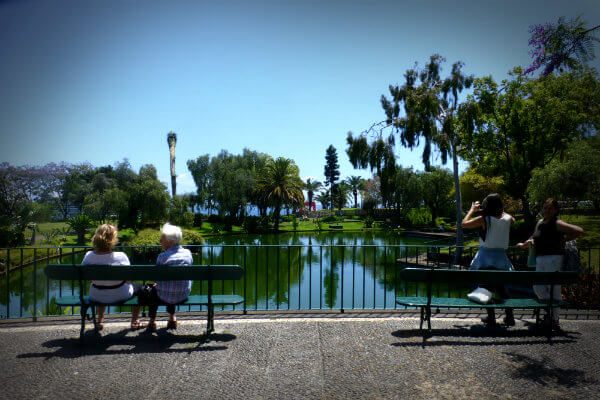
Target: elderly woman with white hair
(170, 292)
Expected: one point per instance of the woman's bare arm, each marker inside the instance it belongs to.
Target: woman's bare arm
(469, 222)
(571, 231)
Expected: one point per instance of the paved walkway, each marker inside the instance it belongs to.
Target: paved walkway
(306, 356)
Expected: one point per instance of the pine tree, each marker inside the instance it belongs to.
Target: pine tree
(332, 170)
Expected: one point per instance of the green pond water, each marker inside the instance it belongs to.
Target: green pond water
(329, 270)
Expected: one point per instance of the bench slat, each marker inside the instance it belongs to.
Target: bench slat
(466, 303)
(144, 272)
(487, 277)
(217, 299)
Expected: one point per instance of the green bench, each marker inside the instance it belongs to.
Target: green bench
(432, 276)
(85, 273)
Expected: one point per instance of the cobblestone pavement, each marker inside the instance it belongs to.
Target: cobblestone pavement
(298, 357)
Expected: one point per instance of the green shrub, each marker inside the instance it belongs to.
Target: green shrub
(295, 222)
(418, 216)
(216, 227)
(10, 236)
(146, 237)
(263, 223)
(80, 224)
(192, 237)
(188, 219)
(369, 222)
(151, 237)
(198, 218)
(250, 224)
(319, 224)
(330, 218)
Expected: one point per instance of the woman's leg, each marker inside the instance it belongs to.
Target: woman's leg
(548, 264)
(101, 310)
(171, 311)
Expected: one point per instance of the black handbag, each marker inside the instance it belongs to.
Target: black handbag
(145, 294)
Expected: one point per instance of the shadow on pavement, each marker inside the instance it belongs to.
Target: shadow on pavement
(162, 341)
(544, 372)
(489, 336)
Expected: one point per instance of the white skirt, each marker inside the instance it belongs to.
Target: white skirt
(108, 296)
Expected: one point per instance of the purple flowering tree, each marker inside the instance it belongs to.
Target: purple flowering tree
(560, 45)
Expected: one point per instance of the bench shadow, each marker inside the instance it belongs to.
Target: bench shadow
(162, 341)
(460, 334)
(544, 372)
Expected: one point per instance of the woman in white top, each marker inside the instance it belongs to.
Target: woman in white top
(494, 225)
(106, 291)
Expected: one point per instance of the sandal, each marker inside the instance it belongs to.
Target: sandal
(172, 325)
(99, 326)
(135, 325)
(150, 327)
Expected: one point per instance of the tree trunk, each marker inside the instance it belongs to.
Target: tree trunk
(173, 176)
(459, 229)
(276, 213)
(355, 199)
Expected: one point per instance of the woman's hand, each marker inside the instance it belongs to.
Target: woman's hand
(475, 206)
(525, 244)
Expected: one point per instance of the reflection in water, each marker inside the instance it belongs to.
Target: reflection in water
(285, 271)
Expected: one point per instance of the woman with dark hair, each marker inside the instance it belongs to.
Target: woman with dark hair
(494, 228)
(549, 238)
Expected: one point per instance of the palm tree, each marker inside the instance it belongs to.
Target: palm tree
(356, 183)
(323, 198)
(340, 195)
(280, 184)
(172, 140)
(311, 188)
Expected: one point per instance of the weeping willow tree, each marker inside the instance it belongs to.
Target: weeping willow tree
(172, 141)
(425, 107)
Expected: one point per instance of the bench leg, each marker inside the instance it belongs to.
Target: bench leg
(210, 323)
(428, 316)
(422, 314)
(94, 317)
(84, 309)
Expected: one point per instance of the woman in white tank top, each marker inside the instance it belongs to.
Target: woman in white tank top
(494, 225)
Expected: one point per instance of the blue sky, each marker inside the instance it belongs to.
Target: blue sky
(99, 81)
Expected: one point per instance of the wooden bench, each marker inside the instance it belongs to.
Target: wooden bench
(432, 276)
(336, 227)
(85, 273)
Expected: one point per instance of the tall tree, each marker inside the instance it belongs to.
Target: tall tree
(561, 45)
(356, 183)
(407, 191)
(280, 185)
(427, 107)
(342, 194)
(323, 198)
(332, 170)
(311, 187)
(436, 188)
(527, 124)
(172, 141)
(573, 177)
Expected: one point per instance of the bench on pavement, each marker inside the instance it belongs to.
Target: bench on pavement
(431, 276)
(85, 273)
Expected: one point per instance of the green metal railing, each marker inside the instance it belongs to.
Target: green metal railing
(299, 276)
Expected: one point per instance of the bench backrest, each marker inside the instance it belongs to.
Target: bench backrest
(487, 277)
(143, 272)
